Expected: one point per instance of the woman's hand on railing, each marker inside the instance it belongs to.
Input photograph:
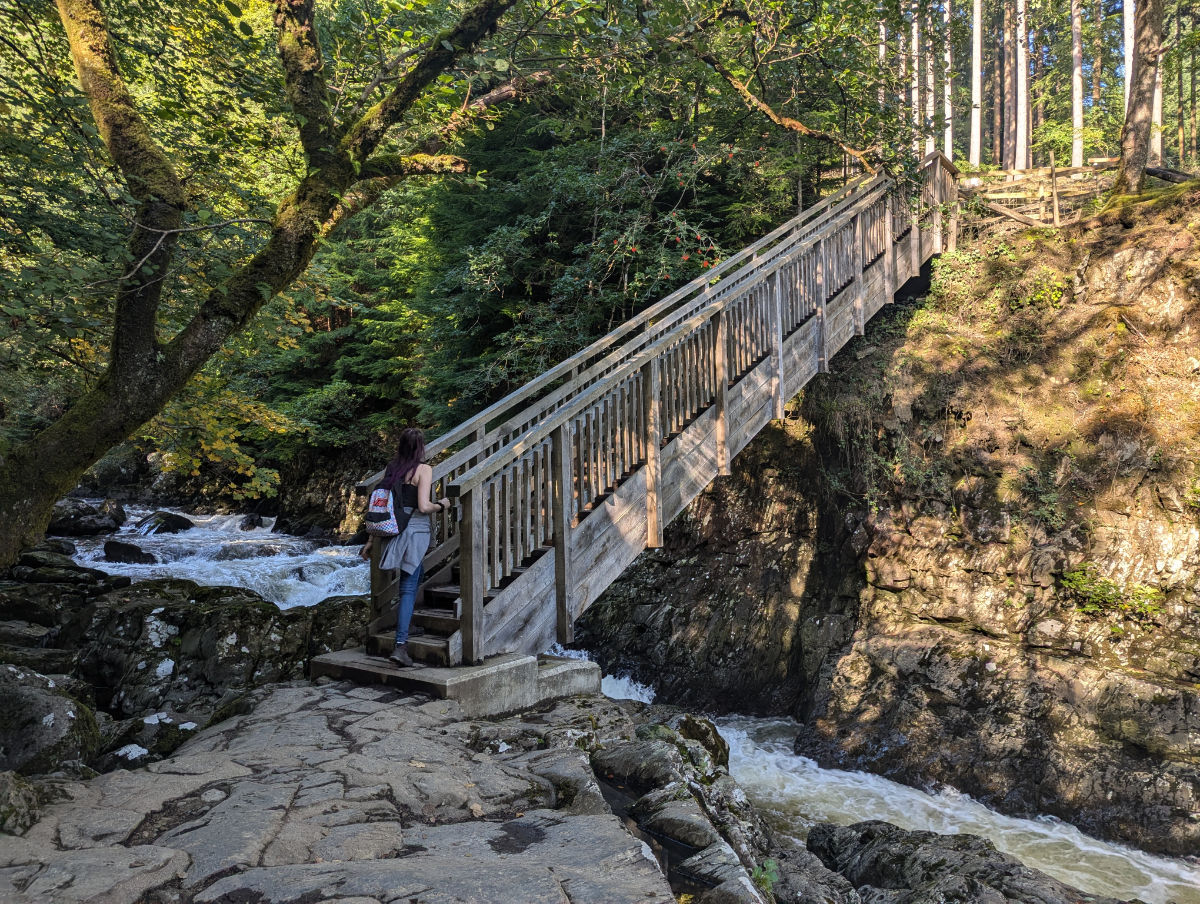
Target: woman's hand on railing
(365, 552)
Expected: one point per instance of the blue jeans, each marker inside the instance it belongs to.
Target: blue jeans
(406, 599)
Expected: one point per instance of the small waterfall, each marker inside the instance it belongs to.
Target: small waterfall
(288, 571)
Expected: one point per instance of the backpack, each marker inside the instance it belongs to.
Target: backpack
(383, 518)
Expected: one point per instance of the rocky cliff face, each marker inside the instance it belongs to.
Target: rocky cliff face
(974, 557)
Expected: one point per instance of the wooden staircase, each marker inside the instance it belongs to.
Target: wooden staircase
(560, 485)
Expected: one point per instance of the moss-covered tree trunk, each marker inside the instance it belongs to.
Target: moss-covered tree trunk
(144, 371)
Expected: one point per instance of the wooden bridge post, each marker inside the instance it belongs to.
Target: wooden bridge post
(652, 430)
(937, 195)
(379, 581)
(860, 323)
(914, 241)
(889, 256)
(775, 316)
(952, 242)
(560, 467)
(721, 366)
(474, 575)
(822, 338)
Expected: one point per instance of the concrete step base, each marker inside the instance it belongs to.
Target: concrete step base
(503, 684)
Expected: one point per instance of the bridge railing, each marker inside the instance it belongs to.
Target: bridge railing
(458, 450)
(526, 485)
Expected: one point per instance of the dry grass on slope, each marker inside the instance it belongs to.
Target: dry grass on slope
(1045, 371)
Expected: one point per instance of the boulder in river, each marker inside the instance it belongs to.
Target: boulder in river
(77, 518)
(250, 522)
(127, 553)
(164, 523)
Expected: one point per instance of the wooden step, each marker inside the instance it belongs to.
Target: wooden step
(443, 597)
(428, 648)
(443, 622)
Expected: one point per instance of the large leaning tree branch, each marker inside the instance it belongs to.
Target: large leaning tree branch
(382, 173)
(148, 176)
(758, 105)
(143, 373)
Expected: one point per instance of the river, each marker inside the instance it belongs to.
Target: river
(791, 791)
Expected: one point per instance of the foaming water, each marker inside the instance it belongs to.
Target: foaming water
(794, 794)
(288, 571)
(615, 687)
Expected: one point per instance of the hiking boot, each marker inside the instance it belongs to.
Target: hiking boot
(400, 657)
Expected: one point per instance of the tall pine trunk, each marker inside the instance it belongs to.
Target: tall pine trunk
(1179, 80)
(1010, 88)
(948, 84)
(930, 86)
(975, 147)
(1135, 136)
(915, 60)
(1097, 54)
(1022, 63)
(1195, 114)
(1156, 115)
(1127, 17)
(1076, 83)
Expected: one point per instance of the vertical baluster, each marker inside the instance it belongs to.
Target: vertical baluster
(595, 487)
(721, 374)
(493, 532)
(689, 378)
(856, 266)
(577, 450)
(560, 469)
(822, 360)
(652, 430)
(474, 575)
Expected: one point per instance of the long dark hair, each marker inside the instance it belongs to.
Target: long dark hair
(410, 452)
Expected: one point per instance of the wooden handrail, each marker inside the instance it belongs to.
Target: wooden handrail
(811, 217)
(714, 302)
(579, 451)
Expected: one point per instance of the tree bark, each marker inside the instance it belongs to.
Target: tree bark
(1097, 54)
(1128, 12)
(1192, 95)
(144, 373)
(947, 83)
(915, 60)
(930, 86)
(975, 147)
(1179, 80)
(1156, 115)
(996, 82)
(1076, 83)
(1022, 63)
(1010, 87)
(1135, 136)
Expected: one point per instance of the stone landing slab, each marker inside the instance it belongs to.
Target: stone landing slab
(502, 684)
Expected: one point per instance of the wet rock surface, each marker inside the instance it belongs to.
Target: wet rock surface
(164, 523)
(888, 865)
(141, 666)
(77, 518)
(130, 553)
(336, 792)
(359, 788)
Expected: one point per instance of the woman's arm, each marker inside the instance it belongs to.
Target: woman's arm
(425, 492)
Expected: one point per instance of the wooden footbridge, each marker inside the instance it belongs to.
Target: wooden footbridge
(560, 485)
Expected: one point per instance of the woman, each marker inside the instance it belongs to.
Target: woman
(411, 482)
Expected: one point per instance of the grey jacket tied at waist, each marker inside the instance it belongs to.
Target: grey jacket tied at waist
(406, 551)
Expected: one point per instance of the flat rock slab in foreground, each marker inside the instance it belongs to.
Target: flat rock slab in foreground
(330, 792)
